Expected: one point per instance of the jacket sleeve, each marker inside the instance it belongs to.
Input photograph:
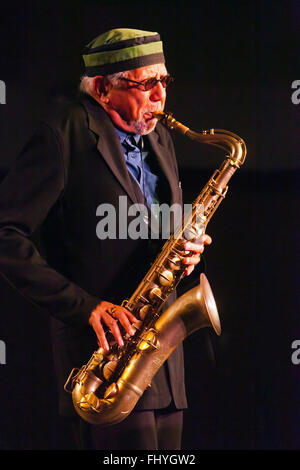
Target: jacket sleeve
(28, 192)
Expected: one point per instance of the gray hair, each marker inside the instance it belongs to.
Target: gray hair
(86, 84)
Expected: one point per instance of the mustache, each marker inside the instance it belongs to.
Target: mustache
(152, 110)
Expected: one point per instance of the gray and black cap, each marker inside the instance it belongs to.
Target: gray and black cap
(122, 49)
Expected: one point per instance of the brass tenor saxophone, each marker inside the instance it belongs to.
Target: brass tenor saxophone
(106, 389)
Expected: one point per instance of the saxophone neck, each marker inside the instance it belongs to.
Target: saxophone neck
(232, 144)
(171, 122)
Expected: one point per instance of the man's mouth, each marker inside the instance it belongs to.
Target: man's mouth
(148, 116)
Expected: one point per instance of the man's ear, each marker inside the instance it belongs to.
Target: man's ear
(101, 89)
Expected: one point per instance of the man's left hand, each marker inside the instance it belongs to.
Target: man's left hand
(195, 249)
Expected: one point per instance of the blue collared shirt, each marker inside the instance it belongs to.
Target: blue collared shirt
(136, 161)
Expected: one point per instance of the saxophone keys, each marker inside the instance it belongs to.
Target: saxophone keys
(88, 401)
(150, 341)
(108, 369)
(144, 311)
(166, 278)
(155, 293)
(111, 391)
(175, 263)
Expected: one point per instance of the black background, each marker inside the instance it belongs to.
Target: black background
(234, 63)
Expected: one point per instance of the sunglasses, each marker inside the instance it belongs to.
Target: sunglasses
(150, 83)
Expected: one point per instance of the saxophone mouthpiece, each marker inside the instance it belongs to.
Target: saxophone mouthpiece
(159, 115)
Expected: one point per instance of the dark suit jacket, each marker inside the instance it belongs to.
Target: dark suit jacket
(73, 163)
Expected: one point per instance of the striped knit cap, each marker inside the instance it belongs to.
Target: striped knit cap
(122, 49)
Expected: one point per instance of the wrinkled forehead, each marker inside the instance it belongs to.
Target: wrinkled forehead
(155, 70)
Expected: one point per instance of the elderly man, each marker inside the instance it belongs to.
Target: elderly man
(85, 154)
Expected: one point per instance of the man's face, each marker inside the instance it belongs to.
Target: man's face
(131, 108)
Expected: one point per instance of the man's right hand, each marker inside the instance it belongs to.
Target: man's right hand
(110, 314)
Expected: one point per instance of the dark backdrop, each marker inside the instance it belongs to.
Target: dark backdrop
(234, 63)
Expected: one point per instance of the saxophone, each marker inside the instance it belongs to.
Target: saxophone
(106, 389)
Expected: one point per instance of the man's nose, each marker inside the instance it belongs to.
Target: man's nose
(158, 92)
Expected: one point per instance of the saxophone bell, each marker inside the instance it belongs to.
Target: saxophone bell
(193, 310)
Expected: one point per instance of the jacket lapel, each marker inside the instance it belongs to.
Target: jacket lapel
(109, 144)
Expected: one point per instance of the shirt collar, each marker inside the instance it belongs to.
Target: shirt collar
(122, 135)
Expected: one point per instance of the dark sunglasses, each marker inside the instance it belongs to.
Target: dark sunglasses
(151, 82)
